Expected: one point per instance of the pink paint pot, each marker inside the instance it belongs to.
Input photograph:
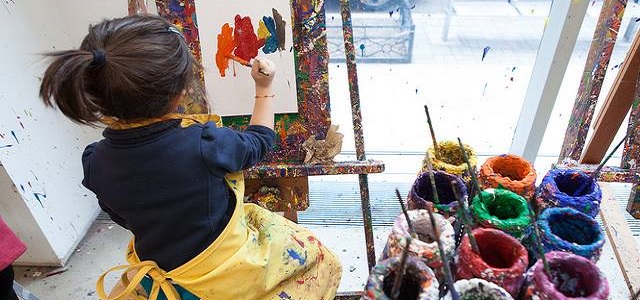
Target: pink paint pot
(425, 247)
(510, 172)
(502, 259)
(572, 277)
(418, 282)
(421, 194)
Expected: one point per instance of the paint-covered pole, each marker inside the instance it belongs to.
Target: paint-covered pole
(356, 116)
(604, 38)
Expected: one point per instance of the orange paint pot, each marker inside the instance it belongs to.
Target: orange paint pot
(510, 172)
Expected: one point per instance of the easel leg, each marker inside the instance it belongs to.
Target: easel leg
(366, 218)
(633, 206)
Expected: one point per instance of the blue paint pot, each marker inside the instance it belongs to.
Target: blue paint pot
(569, 188)
(568, 230)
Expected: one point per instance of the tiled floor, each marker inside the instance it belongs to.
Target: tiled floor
(477, 100)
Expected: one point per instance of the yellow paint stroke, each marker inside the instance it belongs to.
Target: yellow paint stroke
(263, 32)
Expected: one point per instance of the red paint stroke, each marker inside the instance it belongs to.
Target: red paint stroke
(245, 38)
(226, 44)
(301, 243)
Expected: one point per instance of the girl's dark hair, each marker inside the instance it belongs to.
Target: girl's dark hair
(129, 68)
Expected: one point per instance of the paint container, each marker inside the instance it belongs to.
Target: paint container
(425, 246)
(502, 209)
(566, 229)
(502, 259)
(418, 282)
(478, 289)
(510, 172)
(569, 188)
(572, 277)
(421, 194)
(451, 160)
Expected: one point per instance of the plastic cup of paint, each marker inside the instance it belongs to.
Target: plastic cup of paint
(566, 229)
(478, 289)
(569, 188)
(510, 172)
(502, 259)
(418, 281)
(451, 159)
(502, 209)
(421, 194)
(572, 277)
(425, 246)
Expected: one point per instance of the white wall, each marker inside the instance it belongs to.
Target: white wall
(44, 158)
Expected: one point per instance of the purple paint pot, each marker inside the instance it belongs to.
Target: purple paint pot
(572, 277)
(478, 289)
(418, 282)
(421, 194)
(569, 188)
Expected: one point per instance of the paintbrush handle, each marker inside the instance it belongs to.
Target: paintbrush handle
(240, 61)
(465, 218)
(436, 148)
(443, 256)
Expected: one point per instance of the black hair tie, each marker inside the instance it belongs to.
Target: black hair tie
(98, 58)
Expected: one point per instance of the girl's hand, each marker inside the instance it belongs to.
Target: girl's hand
(263, 71)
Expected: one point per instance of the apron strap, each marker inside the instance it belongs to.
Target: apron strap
(141, 269)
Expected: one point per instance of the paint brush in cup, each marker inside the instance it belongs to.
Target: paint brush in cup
(601, 165)
(436, 149)
(466, 220)
(397, 282)
(537, 240)
(406, 215)
(443, 256)
(472, 174)
(432, 179)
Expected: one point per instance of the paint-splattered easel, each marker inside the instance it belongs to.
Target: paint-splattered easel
(284, 167)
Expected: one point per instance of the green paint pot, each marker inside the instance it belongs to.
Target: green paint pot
(503, 210)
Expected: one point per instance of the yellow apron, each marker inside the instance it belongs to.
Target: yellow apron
(259, 255)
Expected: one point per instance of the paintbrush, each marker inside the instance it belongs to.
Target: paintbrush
(601, 165)
(443, 256)
(472, 174)
(397, 282)
(239, 60)
(412, 231)
(432, 179)
(465, 218)
(436, 149)
(537, 241)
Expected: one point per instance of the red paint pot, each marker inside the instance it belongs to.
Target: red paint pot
(572, 277)
(417, 284)
(510, 172)
(502, 259)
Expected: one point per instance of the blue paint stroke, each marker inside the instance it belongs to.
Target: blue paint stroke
(176, 6)
(14, 136)
(284, 295)
(271, 44)
(22, 188)
(293, 254)
(6, 146)
(485, 51)
(38, 195)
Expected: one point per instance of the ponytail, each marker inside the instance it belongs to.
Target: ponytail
(63, 84)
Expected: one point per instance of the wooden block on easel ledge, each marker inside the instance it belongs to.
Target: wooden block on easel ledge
(294, 194)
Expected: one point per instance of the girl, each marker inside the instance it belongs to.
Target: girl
(10, 249)
(175, 182)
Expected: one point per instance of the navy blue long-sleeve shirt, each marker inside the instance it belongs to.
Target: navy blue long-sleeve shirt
(166, 183)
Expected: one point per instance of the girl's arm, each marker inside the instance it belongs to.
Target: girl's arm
(263, 72)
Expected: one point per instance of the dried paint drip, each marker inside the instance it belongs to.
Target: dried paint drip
(245, 39)
(425, 246)
(509, 172)
(421, 194)
(502, 259)
(270, 36)
(479, 289)
(566, 229)
(451, 158)
(281, 26)
(417, 284)
(226, 45)
(569, 188)
(572, 277)
(502, 209)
